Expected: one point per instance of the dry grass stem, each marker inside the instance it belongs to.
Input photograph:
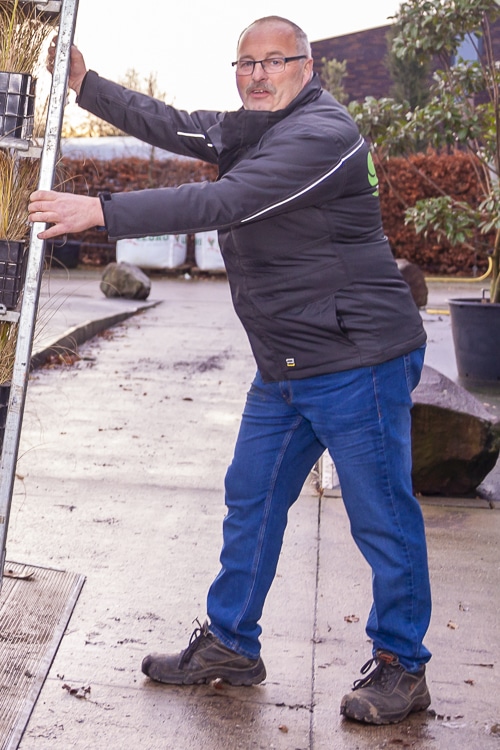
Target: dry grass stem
(18, 179)
(23, 32)
(8, 339)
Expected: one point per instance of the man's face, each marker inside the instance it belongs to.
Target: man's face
(271, 91)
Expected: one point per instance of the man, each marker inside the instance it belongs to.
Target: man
(337, 338)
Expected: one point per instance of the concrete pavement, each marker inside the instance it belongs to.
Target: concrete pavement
(120, 476)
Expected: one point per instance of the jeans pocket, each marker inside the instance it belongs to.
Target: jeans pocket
(414, 362)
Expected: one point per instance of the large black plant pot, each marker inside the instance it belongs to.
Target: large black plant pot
(475, 327)
(63, 253)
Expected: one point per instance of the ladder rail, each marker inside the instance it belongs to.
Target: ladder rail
(31, 293)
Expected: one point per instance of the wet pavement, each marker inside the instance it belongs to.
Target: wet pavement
(120, 477)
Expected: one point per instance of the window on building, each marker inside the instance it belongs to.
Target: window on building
(470, 49)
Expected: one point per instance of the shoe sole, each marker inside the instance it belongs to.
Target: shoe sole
(367, 718)
(202, 677)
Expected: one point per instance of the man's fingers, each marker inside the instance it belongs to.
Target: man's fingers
(34, 210)
(51, 53)
(36, 216)
(66, 211)
(42, 209)
(42, 217)
(41, 206)
(40, 199)
(56, 230)
(44, 195)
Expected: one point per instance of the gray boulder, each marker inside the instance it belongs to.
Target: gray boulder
(456, 440)
(125, 280)
(415, 279)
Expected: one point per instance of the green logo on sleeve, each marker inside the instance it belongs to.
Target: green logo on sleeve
(372, 175)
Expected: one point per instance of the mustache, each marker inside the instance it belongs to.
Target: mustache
(260, 87)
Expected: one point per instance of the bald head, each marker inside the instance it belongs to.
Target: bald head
(301, 40)
(282, 63)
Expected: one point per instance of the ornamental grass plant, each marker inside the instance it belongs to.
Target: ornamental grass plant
(23, 32)
(8, 340)
(18, 179)
(24, 29)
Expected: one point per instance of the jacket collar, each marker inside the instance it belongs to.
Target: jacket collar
(241, 129)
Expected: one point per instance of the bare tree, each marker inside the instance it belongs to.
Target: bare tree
(93, 127)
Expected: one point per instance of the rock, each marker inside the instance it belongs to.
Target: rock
(125, 280)
(415, 279)
(456, 440)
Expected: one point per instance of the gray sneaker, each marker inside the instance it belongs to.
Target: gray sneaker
(388, 694)
(205, 659)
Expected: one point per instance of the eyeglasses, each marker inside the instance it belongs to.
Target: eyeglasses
(269, 65)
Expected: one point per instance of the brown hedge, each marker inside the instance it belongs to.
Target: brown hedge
(402, 182)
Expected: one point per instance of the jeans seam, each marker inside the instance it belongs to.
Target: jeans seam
(265, 519)
(393, 504)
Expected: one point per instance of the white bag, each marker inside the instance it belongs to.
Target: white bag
(164, 251)
(207, 252)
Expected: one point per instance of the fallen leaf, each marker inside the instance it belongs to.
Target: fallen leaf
(218, 683)
(81, 692)
(351, 618)
(61, 358)
(19, 576)
(283, 728)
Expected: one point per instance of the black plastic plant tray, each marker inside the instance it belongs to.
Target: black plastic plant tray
(17, 105)
(12, 272)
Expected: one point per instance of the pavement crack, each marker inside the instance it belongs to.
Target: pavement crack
(315, 638)
(296, 706)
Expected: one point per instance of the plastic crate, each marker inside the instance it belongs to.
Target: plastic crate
(17, 105)
(12, 271)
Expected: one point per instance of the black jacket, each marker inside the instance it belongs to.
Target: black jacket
(312, 276)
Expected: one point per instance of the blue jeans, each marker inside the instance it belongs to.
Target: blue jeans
(362, 417)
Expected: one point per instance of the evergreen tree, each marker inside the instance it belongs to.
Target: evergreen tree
(410, 77)
(332, 75)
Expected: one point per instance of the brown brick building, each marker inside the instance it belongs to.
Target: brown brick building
(366, 53)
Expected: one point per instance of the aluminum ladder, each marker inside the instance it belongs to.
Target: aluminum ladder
(66, 10)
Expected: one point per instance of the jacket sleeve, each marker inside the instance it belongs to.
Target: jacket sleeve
(293, 166)
(149, 119)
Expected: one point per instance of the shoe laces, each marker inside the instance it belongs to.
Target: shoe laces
(197, 635)
(382, 660)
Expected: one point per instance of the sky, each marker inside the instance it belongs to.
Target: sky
(190, 44)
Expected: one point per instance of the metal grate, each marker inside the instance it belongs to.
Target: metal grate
(35, 607)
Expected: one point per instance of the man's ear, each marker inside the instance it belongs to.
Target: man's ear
(308, 70)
